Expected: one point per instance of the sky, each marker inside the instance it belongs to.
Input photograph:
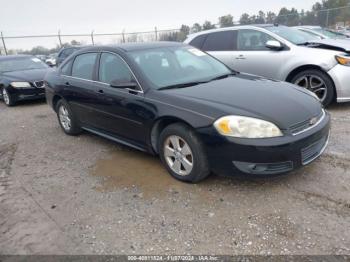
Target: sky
(38, 17)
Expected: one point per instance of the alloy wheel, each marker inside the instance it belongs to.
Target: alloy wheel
(315, 84)
(178, 155)
(64, 118)
(5, 96)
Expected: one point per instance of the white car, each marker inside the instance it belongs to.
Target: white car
(282, 53)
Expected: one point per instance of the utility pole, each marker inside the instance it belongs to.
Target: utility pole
(92, 37)
(59, 37)
(327, 19)
(3, 43)
(156, 33)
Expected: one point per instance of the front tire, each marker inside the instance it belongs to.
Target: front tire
(183, 154)
(317, 82)
(7, 98)
(66, 119)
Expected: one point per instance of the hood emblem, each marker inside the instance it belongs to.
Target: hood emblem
(313, 121)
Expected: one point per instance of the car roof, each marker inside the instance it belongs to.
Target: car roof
(308, 26)
(126, 47)
(231, 28)
(10, 57)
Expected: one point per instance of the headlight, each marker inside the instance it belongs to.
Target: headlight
(20, 84)
(246, 127)
(343, 60)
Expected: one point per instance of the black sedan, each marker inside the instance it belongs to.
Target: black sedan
(21, 78)
(180, 103)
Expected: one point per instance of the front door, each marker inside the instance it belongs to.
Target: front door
(121, 110)
(253, 57)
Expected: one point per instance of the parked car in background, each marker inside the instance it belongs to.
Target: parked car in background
(51, 60)
(65, 52)
(282, 53)
(189, 108)
(42, 57)
(21, 78)
(344, 31)
(322, 33)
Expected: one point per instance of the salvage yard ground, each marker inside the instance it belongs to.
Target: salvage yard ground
(86, 195)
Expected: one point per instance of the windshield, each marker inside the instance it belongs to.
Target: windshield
(292, 35)
(330, 33)
(20, 64)
(178, 65)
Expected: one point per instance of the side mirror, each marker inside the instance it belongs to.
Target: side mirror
(123, 84)
(274, 45)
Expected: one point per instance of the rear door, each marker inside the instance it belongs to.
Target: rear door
(80, 89)
(223, 46)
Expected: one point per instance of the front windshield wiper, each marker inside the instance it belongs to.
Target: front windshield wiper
(308, 43)
(223, 76)
(183, 85)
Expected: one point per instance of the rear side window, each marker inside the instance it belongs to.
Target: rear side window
(67, 52)
(198, 41)
(66, 68)
(83, 66)
(221, 41)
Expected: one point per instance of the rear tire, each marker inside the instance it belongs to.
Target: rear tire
(66, 119)
(317, 82)
(6, 97)
(183, 154)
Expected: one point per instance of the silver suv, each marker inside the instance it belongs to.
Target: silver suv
(282, 53)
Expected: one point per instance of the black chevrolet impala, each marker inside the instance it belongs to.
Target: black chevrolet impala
(180, 103)
(21, 78)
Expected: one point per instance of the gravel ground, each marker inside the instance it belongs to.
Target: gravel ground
(87, 195)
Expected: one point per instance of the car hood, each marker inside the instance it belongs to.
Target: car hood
(279, 102)
(27, 75)
(342, 45)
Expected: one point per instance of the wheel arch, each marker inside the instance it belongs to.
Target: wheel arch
(55, 100)
(299, 69)
(159, 125)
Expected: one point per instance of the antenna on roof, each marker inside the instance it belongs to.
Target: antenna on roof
(276, 24)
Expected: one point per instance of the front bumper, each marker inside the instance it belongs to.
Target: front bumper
(341, 78)
(26, 93)
(272, 156)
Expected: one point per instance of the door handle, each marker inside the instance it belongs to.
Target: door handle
(67, 84)
(241, 57)
(100, 91)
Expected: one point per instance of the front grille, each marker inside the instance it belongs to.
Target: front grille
(301, 126)
(39, 84)
(310, 153)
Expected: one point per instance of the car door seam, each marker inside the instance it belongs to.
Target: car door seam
(113, 115)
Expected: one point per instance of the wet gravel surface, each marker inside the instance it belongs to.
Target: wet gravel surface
(86, 195)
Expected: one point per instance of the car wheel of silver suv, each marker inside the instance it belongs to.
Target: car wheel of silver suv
(317, 82)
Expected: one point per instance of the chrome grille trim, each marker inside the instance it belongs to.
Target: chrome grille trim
(310, 127)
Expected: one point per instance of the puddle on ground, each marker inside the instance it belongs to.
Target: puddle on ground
(128, 169)
(145, 175)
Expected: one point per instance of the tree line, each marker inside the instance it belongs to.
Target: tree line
(338, 11)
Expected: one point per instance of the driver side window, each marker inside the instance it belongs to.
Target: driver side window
(253, 40)
(113, 68)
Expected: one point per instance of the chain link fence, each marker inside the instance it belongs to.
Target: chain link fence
(18, 44)
(334, 18)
